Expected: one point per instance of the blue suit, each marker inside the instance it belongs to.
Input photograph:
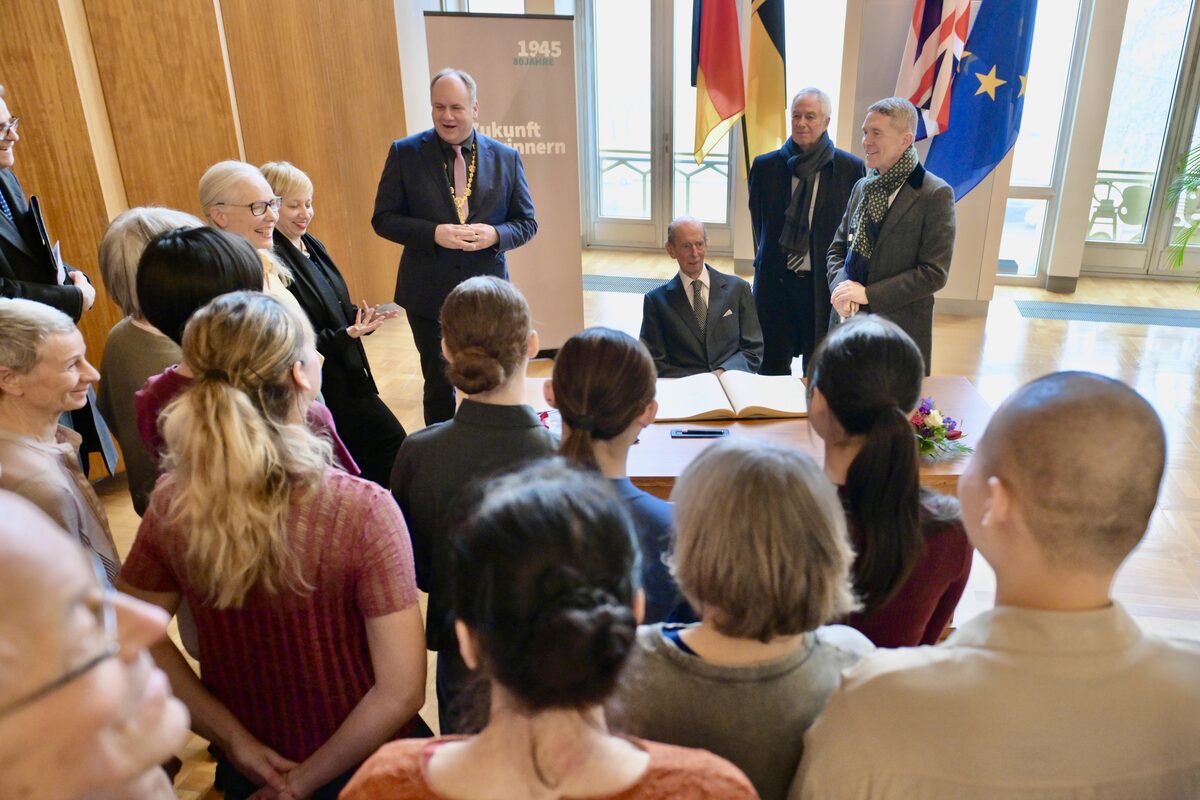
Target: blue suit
(412, 200)
(653, 523)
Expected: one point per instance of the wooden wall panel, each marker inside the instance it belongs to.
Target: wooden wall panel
(54, 158)
(167, 95)
(322, 90)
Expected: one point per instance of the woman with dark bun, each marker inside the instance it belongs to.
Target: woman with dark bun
(488, 339)
(913, 555)
(603, 386)
(760, 552)
(545, 597)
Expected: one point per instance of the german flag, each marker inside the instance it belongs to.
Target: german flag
(766, 122)
(716, 71)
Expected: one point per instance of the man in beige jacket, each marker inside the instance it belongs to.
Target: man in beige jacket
(1056, 692)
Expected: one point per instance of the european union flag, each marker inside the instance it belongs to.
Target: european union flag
(988, 96)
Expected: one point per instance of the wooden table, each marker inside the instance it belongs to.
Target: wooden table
(657, 459)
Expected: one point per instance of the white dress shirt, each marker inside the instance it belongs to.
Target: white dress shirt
(690, 292)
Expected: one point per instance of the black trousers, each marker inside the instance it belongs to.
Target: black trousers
(439, 393)
(369, 429)
(785, 311)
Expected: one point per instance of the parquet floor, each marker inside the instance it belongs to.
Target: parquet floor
(1161, 582)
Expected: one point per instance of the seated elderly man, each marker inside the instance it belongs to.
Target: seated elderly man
(701, 320)
(1056, 692)
(84, 713)
(43, 372)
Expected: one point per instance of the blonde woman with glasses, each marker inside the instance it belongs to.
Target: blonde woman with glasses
(300, 576)
(237, 199)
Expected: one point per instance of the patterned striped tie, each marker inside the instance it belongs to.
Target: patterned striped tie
(698, 305)
(5, 210)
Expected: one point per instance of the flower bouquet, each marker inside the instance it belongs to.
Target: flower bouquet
(938, 435)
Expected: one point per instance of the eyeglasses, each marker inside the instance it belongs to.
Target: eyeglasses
(11, 125)
(259, 207)
(106, 620)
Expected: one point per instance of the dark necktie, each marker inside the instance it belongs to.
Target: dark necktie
(5, 210)
(698, 305)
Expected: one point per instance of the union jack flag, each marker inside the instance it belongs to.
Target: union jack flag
(936, 43)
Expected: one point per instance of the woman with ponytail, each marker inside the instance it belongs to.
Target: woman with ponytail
(299, 575)
(913, 555)
(603, 386)
(488, 339)
(546, 604)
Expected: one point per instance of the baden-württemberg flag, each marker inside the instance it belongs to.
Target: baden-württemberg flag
(716, 71)
(766, 121)
(987, 97)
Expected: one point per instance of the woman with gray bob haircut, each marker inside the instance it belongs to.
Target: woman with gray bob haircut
(761, 553)
(44, 372)
(135, 349)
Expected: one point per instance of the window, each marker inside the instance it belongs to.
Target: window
(1143, 94)
(1033, 184)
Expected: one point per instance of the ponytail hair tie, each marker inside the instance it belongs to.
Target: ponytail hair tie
(215, 375)
(583, 423)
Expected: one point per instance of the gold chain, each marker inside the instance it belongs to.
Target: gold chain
(459, 202)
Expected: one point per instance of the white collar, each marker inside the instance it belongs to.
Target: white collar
(687, 282)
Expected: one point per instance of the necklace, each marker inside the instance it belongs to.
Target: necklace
(460, 202)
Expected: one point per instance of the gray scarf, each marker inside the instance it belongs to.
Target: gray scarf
(804, 165)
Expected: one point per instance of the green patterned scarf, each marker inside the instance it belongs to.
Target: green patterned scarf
(874, 206)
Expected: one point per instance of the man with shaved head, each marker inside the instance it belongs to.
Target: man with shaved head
(84, 713)
(1056, 692)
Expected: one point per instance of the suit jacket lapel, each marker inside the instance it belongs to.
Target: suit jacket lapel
(437, 168)
(678, 299)
(16, 200)
(718, 297)
(905, 199)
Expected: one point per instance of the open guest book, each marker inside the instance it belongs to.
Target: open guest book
(734, 395)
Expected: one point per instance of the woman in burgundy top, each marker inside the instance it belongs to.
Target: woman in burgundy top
(913, 557)
(299, 575)
(179, 271)
(547, 607)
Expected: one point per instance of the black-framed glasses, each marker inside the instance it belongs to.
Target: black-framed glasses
(259, 207)
(11, 125)
(106, 619)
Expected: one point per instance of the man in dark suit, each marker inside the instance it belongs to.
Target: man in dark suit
(28, 271)
(26, 267)
(701, 320)
(457, 200)
(892, 250)
(798, 195)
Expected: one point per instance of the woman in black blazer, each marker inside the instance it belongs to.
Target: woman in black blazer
(365, 423)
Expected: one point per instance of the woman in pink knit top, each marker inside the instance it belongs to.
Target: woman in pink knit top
(546, 604)
(300, 576)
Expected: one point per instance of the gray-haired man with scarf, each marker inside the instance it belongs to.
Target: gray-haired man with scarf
(798, 195)
(893, 248)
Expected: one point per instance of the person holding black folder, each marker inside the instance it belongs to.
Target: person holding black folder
(29, 266)
(31, 269)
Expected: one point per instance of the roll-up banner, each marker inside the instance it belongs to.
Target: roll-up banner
(525, 70)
